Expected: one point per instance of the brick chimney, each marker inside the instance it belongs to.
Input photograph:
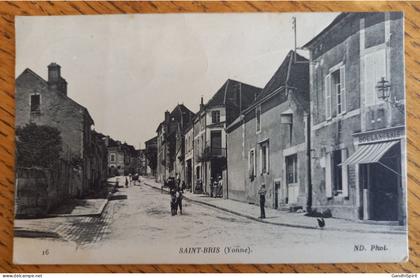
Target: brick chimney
(201, 103)
(55, 81)
(167, 117)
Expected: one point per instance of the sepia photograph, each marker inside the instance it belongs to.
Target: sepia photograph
(204, 138)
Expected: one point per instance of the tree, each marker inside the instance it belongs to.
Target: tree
(38, 145)
(151, 156)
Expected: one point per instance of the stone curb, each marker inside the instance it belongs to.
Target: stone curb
(281, 224)
(95, 214)
(21, 232)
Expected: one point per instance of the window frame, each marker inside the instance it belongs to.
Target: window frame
(329, 91)
(38, 110)
(112, 155)
(252, 164)
(217, 113)
(293, 158)
(264, 162)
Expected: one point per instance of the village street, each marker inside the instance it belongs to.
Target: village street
(143, 220)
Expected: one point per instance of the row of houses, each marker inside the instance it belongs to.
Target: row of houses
(124, 159)
(325, 134)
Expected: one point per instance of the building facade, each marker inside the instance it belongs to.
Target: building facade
(189, 156)
(209, 131)
(116, 157)
(357, 117)
(170, 142)
(99, 166)
(268, 143)
(47, 103)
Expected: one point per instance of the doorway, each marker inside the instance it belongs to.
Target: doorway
(277, 185)
(381, 184)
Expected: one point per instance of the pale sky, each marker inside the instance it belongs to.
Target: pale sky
(128, 69)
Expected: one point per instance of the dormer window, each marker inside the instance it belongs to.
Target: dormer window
(215, 117)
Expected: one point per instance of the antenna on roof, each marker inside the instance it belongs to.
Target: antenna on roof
(294, 27)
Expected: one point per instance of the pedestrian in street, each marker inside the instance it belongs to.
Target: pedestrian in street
(178, 180)
(126, 182)
(219, 191)
(179, 198)
(173, 203)
(211, 187)
(262, 191)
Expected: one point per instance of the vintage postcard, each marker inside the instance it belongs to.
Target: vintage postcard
(210, 138)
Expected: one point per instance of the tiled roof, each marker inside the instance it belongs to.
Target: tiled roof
(289, 72)
(220, 97)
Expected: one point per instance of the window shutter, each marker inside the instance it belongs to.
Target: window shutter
(328, 185)
(327, 86)
(344, 173)
(343, 89)
(267, 149)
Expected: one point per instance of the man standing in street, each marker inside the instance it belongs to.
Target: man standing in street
(262, 191)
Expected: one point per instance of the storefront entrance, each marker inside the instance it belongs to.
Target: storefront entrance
(381, 183)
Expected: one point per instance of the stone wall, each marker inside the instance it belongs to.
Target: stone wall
(38, 190)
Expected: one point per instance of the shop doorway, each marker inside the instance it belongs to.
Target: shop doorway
(381, 185)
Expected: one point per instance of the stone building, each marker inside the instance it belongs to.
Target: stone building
(189, 156)
(122, 158)
(116, 165)
(170, 142)
(45, 102)
(357, 117)
(151, 156)
(99, 166)
(209, 160)
(268, 143)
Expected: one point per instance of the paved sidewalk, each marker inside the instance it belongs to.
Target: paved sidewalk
(282, 218)
(56, 225)
(80, 207)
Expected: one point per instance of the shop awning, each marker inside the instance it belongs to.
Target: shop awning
(369, 153)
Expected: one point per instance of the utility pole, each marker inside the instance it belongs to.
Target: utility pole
(294, 29)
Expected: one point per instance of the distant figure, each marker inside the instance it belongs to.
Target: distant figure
(212, 186)
(173, 203)
(126, 182)
(179, 196)
(177, 180)
(321, 223)
(219, 190)
(262, 191)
